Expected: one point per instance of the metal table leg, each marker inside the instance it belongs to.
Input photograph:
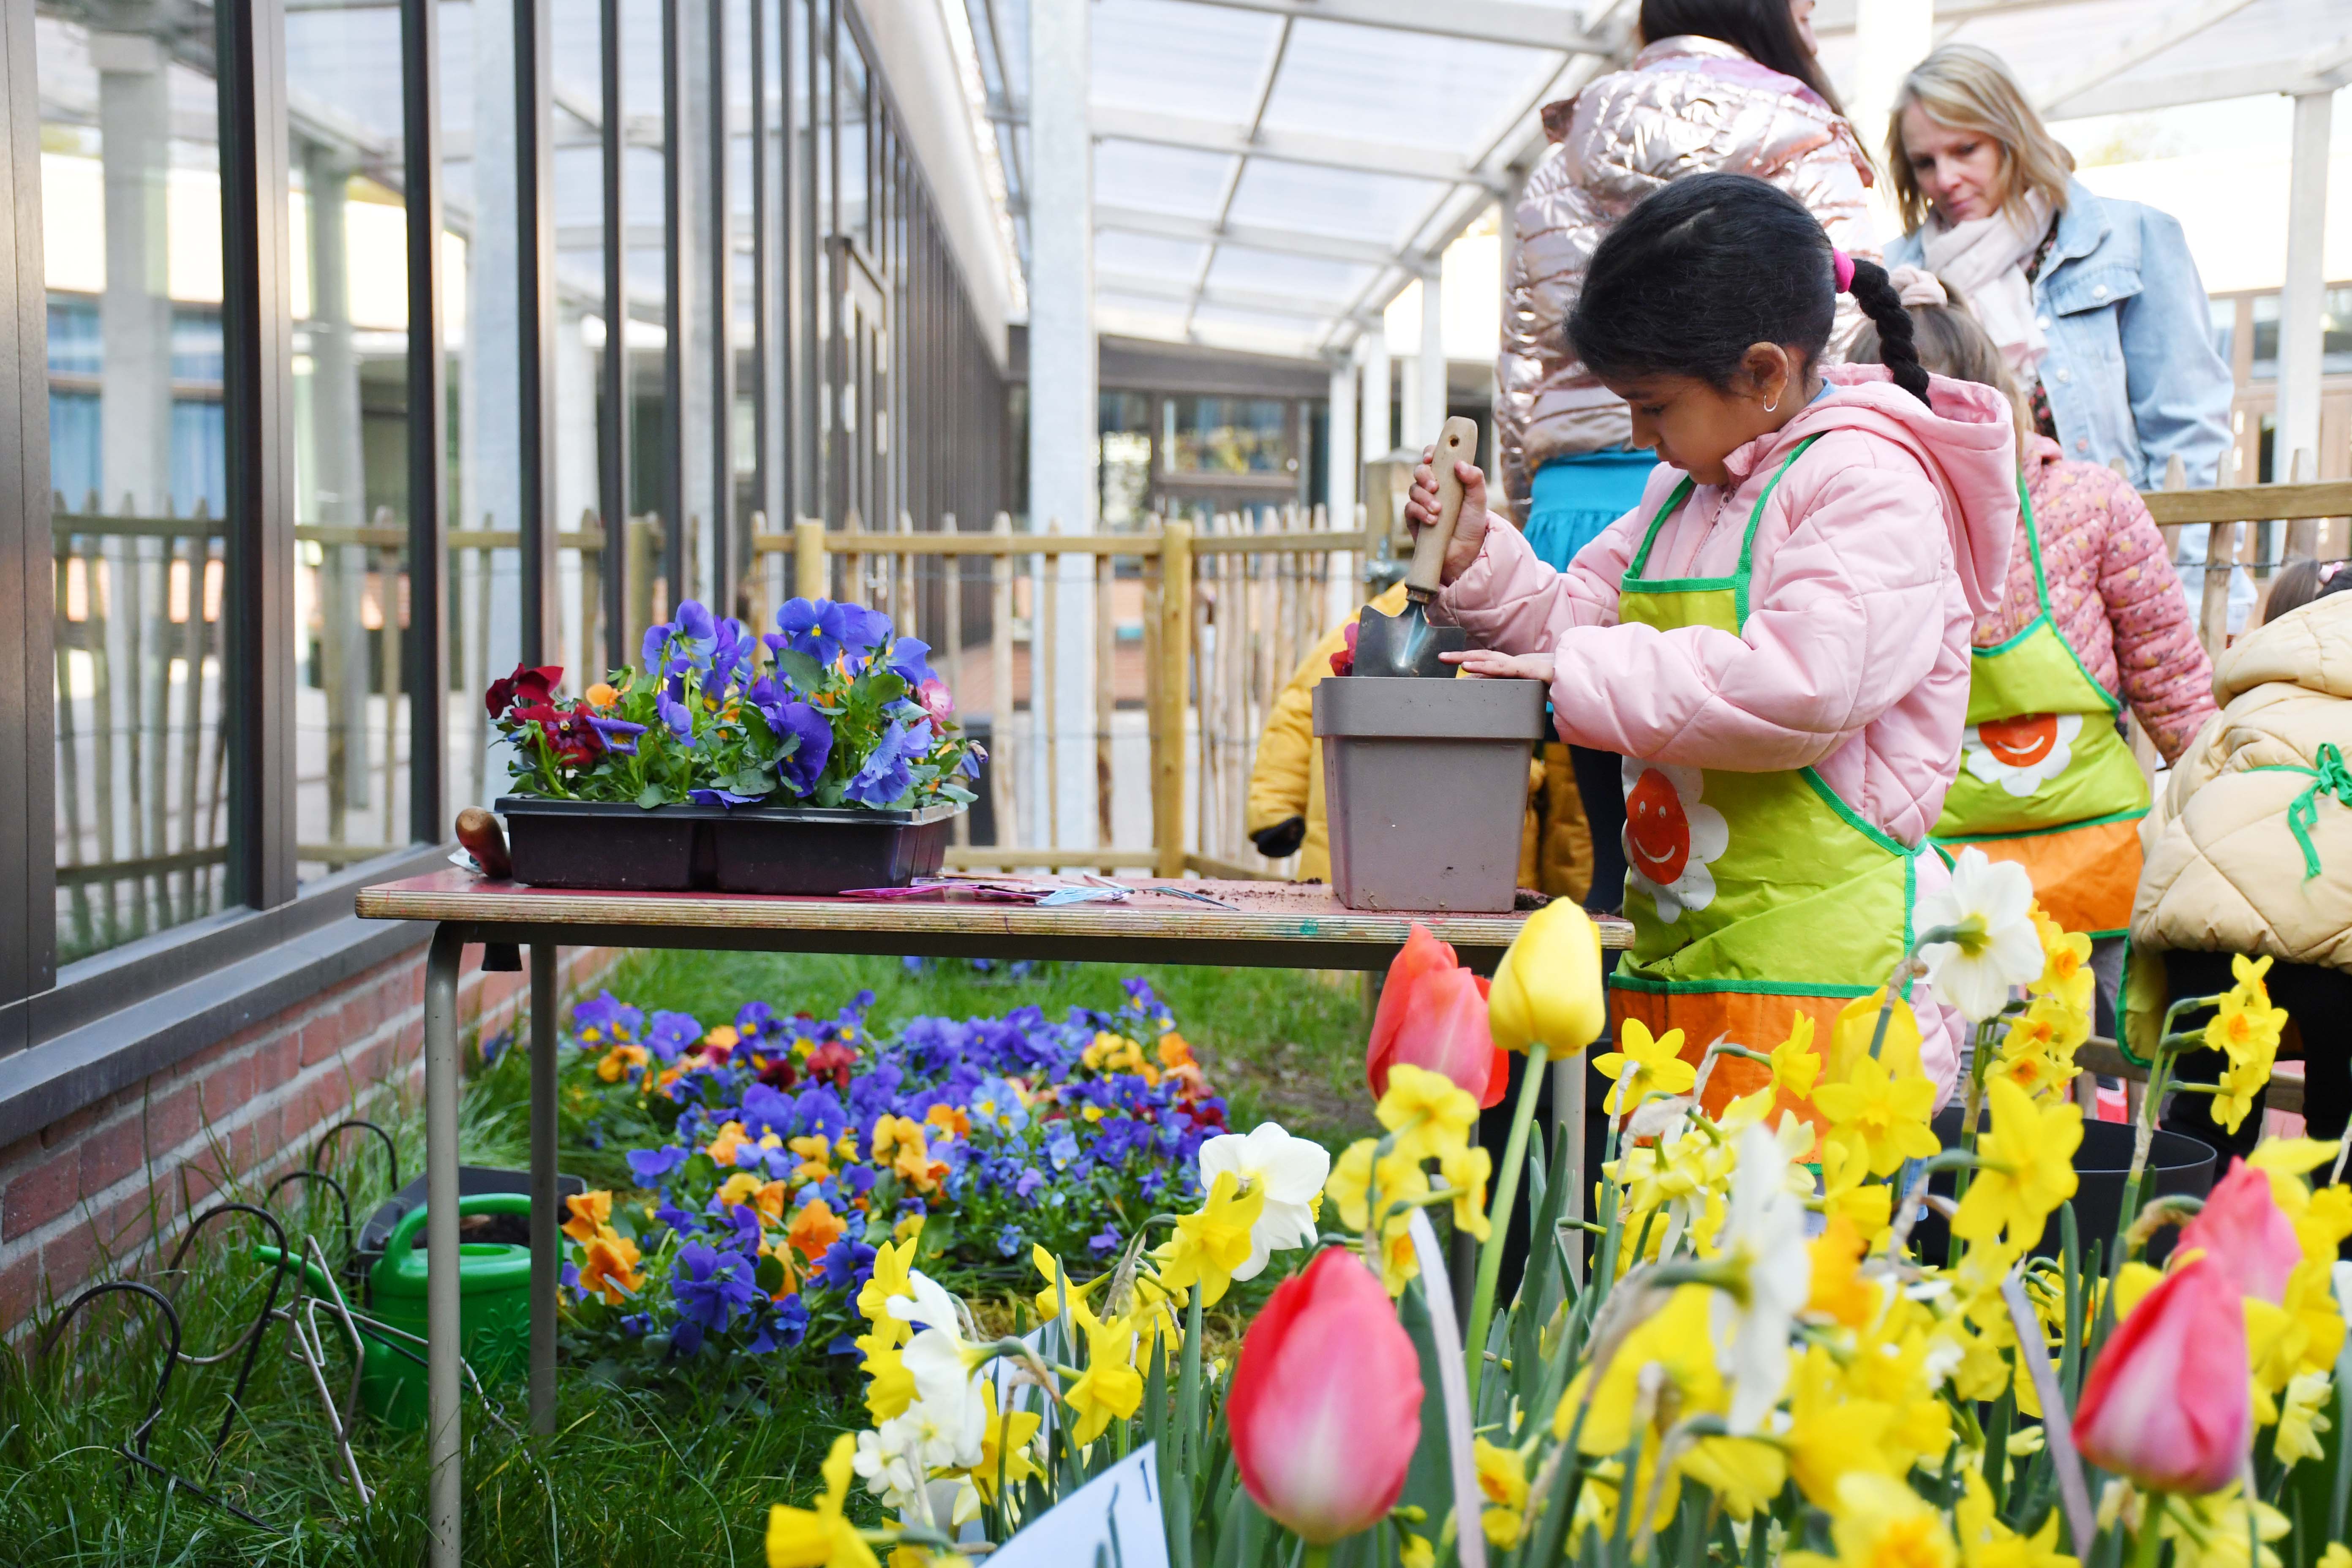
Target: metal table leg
(1568, 1097)
(442, 1362)
(546, 1233)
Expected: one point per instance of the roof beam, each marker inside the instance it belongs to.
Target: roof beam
(1282, 241)
(1836, 17)
(1111, 123)
(1178, 291)
(2177, 26)
(2323, 69)
(1489, 21)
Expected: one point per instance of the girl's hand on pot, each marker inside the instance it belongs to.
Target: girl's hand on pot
(1496, 665)
(1469, 528)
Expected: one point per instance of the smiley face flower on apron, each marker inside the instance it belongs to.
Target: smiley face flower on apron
(2022, 754)
(1671, 837)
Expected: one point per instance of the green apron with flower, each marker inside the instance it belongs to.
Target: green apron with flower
(2045, 778)
(1754, 896)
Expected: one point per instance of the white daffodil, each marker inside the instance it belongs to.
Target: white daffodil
(1292, 1171)
(937, 1359)
(889, 1460)
(1990, 903)
(1764, 1236)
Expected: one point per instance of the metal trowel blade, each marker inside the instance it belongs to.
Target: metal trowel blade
(1405, 644)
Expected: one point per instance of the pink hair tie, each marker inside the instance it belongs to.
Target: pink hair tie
(2328, 573)
(1843, 266)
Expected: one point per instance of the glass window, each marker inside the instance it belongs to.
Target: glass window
(857, 145)
(1238, 435)
(2335, 325)
(1123, 460)
(131, 226)
(349, 300)
(2266, 337)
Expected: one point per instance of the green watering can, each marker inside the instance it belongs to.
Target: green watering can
(493, 1311)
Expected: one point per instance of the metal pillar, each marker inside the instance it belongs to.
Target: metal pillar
(1429, 365)
(546, 1218)
(445, 1438)
(1062, 413)
(1375, 408)
(1340, 469)
(2300, 305)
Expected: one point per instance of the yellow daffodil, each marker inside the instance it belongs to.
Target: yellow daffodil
(2241, 1082)
(1878, 1522)
(1466, 1171)
(1881, 1117)
(1548, 990)
(2338, 1555)
(1503, 1478)
(1062, 1291)
(610, 1268)
(1848, 1192)
(1796, 1066)
(2028, 1167)
(2245, 1024)
(893, 1264)
(2301, 1418)
(1643, 1064)
(1745, 1474)
(1840, 1293)
(1110, 1388)
(1400, 1177)
(1850, 1037)
(591, 1215)
(2212, 1531)
(820, 1537)
(1417, 1552)
(1831, 1434)
(1986, 1542)
(1005, 1445)
(2066, 974)
(890, 1386)
(1426, 1111)
(1666, 1369)
(1210, 1244)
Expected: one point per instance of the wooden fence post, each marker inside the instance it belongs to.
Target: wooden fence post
(809, 574)
(2302, 533)
(1167, 751)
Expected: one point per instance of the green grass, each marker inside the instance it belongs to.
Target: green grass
(679, 1472)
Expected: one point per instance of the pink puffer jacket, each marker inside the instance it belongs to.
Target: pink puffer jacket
(1686, 106)
(1877, 553)
(2112, 595)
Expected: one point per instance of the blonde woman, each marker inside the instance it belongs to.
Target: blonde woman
(2095, 303)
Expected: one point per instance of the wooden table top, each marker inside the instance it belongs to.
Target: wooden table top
(1270, 924)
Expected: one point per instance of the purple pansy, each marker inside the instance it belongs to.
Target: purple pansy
(813, 627)
(619, 735)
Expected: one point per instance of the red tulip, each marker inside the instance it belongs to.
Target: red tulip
(2167, 1403)
(2242, 1229)
(1326, 1402)
(1433, 1014)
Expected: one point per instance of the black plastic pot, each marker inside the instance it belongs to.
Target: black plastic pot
(2183, 1166)
(803, 850)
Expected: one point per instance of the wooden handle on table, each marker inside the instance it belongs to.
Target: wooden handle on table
(1456, 443)
(480, 832)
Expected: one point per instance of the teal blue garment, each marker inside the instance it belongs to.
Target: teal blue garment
(1575, 498)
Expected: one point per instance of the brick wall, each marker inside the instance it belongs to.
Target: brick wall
(79, 1199)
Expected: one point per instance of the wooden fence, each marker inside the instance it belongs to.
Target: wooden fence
(1195, 631)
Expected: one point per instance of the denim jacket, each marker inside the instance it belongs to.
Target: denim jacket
(2131, 370)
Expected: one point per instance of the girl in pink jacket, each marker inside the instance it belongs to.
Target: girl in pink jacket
(1777, 639)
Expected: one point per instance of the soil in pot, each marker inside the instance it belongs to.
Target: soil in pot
(2183, 1167)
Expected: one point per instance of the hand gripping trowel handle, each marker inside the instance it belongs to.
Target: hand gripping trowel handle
(1458, 442)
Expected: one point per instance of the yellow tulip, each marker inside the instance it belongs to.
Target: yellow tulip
(1548, 989)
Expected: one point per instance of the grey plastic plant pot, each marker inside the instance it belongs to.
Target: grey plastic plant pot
(1425, 786)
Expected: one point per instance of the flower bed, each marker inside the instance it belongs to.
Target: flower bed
(1754, 1362)
(775, 1153)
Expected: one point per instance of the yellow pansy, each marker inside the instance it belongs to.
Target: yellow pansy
(1212, 1242)
(615, 1064)
(1880, 1116)
(723, 1144)
(1643, 1064)
(820, 1537)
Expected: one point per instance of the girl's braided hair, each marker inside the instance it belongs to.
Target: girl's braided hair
(1701, 271)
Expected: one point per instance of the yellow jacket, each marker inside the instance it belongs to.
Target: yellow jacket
(1287, 780)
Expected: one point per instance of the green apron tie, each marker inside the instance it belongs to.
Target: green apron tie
(2328, 777)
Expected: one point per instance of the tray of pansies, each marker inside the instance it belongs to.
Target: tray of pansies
(834, 762)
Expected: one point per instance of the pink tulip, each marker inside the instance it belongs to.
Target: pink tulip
(2242, 1229)
(1326, 1402)
(2167, 1403)
(1433, 1014)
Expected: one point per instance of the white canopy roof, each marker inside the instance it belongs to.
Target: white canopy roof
(1270, 173)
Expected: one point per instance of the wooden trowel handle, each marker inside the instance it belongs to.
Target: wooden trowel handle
(1457, 443)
